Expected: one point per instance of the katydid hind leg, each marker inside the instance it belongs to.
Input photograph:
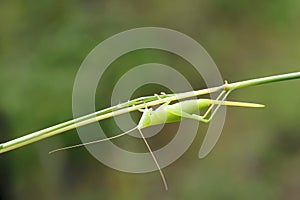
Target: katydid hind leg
(218, 106)
(213, 105)
(211, 139)
(199, 117)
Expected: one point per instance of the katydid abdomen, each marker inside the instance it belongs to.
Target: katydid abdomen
(175, 112)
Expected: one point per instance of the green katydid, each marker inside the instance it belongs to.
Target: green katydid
(167, 113)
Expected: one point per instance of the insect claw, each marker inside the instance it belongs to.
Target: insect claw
(156, 95)
(225, 86)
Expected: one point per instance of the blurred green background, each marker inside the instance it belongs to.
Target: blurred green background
(42, 44)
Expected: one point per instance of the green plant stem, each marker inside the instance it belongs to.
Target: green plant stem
(134, 105)
(264, 80)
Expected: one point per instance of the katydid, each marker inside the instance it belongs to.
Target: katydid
(167, 113)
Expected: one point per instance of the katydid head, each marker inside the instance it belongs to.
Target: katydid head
(145, 119)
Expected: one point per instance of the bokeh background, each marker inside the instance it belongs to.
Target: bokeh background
(42, 44)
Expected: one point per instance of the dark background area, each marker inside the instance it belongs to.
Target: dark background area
(42, 44)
